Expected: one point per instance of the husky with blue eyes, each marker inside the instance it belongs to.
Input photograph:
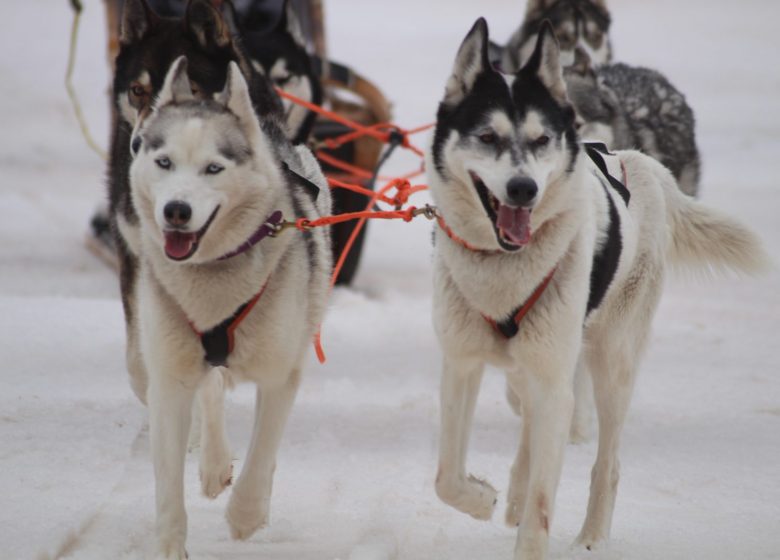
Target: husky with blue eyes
(550, 256)
(220, 298)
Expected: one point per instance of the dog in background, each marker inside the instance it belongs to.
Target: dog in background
(550, 257)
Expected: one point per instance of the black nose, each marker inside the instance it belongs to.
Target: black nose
(177, 213)
(521, 190)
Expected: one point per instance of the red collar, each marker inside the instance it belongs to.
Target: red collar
(460, 241)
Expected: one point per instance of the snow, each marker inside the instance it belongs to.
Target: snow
(355, 474)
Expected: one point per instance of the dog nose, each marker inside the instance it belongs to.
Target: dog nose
(521, 190)
(177, 213)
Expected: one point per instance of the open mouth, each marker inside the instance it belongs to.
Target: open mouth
(512, 225)
(181, 245)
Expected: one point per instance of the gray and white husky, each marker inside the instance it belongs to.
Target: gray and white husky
(578, 24)
(630, 107)
(545, 263)
(209, 185)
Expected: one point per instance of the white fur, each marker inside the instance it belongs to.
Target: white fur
(569, 223)
(270, 343)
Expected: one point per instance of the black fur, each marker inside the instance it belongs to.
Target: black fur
(606, 258)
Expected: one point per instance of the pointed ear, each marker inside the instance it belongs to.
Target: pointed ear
(207, 24)
(546, 62)
(471, 60)
(289, 23)
(137, 19)
(176, 88)
(235, 97)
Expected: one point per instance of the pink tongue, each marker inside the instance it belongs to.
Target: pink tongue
(515, 224)
(178, 244)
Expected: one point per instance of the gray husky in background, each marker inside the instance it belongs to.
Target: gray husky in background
(208, 184)
(628, 107)
(550, 257)
(582, 24)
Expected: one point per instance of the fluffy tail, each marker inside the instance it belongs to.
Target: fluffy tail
(708, 241)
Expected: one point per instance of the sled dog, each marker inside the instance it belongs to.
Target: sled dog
(580, 24)
(549, 255)
(218, 297)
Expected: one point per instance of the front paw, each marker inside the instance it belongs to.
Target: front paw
(473, 496)
(245, 516)
(216, 474)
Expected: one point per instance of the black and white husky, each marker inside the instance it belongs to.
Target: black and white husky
(578, 24)
(219, 298)
(550, 256)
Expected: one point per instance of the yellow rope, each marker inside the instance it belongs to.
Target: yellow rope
(77, 9)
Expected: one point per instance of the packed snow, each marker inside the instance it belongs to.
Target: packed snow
(701, 451)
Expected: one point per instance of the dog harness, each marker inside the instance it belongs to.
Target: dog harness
(605, 261)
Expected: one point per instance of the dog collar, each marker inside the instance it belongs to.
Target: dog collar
(459, 240)
(218, 342)
(269, 227)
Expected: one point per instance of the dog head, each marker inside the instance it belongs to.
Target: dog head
(281, 54)
(582, 24)
(501, 142)
(149, 44)
(204, 176)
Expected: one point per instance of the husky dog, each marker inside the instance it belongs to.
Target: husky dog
(281, 55)
(547, 258)
(577, 23)
(208, 183)
(629, 107)
(148, 46)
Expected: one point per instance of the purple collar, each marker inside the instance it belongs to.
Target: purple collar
(269, 227)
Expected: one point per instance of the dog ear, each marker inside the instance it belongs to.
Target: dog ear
(207, 24)
(137, 19)
(235, 97)
(471, 60)
(545, 62)
(289, 22)
(177, 87)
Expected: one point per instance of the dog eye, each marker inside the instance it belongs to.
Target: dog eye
(487, 138)
(138, 90)
(282, 80)
(540, 142)
(213, 169)
(163, 162)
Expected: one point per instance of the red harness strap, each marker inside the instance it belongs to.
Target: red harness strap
(510, 327)
(218, 342)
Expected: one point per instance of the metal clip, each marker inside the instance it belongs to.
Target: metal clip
(274, 228)
(428, 211)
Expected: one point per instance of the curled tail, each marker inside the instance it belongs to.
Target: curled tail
(709, 241)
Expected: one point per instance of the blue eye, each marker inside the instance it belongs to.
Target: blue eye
(163, 162)
(213, 169)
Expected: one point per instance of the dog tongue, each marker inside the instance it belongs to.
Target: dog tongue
(178, 244)
(515, 223)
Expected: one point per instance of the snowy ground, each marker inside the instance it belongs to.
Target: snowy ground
(701, 452)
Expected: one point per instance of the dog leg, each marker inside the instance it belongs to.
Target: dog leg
(216, 462)
(518, 476)
(459, 390)
(613, 384)
(170, 409)
(548, 409)
(249, 503)
(583, 404)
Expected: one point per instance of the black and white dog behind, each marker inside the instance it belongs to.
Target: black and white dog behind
(582, 24)
(630, 107)
(550, 256)
(208, 183)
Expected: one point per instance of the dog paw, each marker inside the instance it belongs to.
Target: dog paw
(514, 514)
(171, 551)
(474, 497)
(244, 519)
(589, 541)
(215, 476)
